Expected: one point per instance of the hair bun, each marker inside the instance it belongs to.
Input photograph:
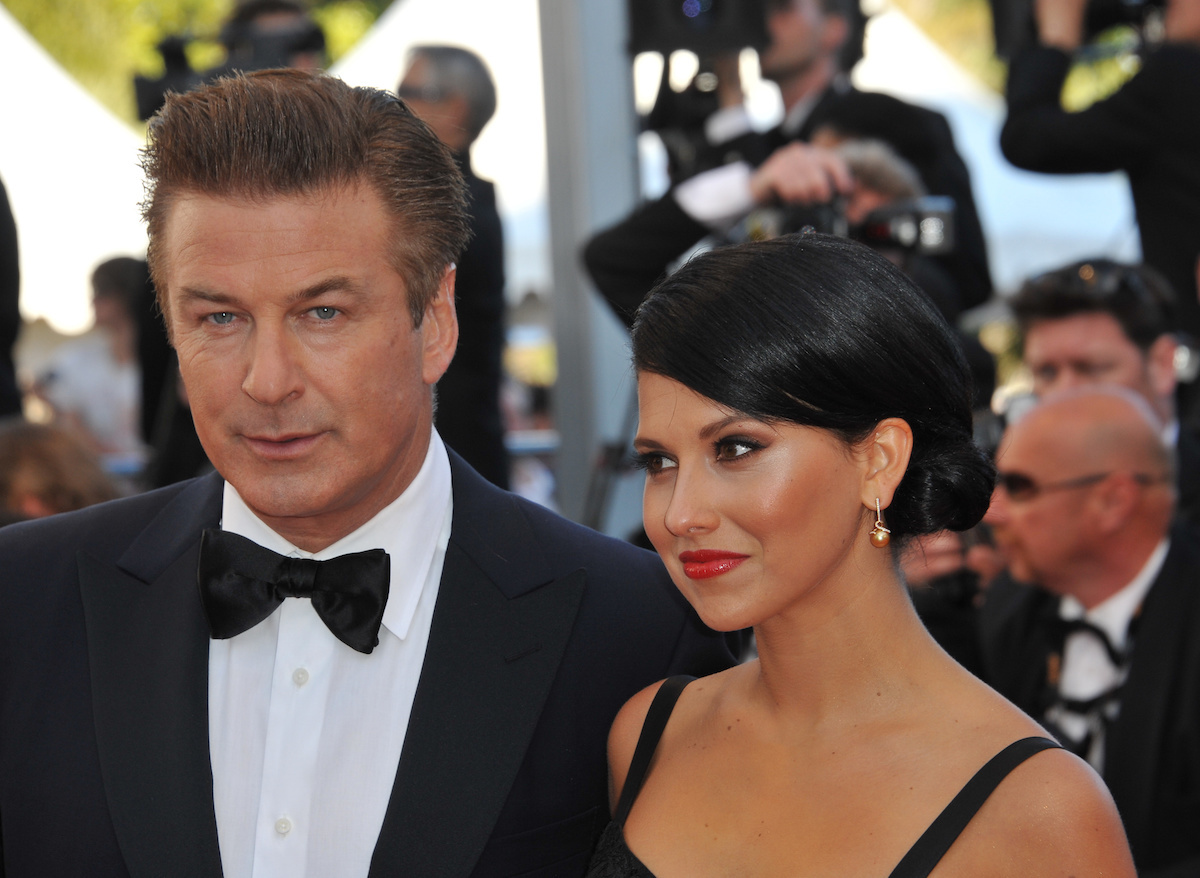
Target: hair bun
(947, 487)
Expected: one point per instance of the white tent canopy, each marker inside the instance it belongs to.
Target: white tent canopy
(71, 170)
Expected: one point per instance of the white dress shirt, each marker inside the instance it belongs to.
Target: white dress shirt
(1087, 670)
(305, 733)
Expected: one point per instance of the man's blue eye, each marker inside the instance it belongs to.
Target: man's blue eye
(325, 313)
(221, 318)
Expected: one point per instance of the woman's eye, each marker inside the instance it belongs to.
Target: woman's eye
(652, 463)
(732, 449)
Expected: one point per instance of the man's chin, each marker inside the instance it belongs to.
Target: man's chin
(1022, 573)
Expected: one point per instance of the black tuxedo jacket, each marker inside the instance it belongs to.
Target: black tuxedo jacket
(1149, 128)
(1187, 465)
(541, 630)
(1152, 751)
(627, 259)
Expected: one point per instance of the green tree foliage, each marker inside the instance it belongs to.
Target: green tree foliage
(105, 43)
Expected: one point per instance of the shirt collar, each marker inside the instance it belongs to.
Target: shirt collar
(1113, 614)
(798, 113)
(411, 529)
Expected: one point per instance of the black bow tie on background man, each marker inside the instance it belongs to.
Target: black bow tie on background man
(241, 583)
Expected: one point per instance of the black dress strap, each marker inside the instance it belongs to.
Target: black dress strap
(652, 729)
(923, 856)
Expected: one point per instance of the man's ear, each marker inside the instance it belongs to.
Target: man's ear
(835, 30)
(1160, 365)
(439, 329)
(885, 455)
(1114, 501)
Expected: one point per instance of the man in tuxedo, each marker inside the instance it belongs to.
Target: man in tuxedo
(344, 653)
(1100, 645)
(1102, 322)
(806, 39)
(452, 91)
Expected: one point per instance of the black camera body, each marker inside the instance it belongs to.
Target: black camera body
(702, 26)
(913, 226)
(249, 48)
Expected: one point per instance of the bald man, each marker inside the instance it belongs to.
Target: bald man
(1099, 642)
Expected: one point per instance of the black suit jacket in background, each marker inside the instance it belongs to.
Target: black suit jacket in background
(1150, 129)
(468, 415)
(10, 311)
(1152, 751)
(542, 629)
(627, 259)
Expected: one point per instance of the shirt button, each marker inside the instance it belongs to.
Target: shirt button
(300, 676)
(283, 826)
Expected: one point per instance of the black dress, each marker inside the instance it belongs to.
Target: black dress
(613, 859)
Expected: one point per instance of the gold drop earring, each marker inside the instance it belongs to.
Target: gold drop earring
(880, 535)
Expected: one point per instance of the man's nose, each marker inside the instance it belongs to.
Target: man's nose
(1064, 379)
(273, 374)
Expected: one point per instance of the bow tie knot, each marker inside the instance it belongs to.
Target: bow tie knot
(297, 577)
(242, 583)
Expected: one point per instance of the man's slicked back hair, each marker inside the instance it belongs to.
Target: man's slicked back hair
(285, 133)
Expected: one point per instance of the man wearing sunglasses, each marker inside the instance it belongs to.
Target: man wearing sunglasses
(1098, 643)
(452, 91)
(1099, 322)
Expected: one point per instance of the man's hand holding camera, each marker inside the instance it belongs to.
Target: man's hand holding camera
(801, 174)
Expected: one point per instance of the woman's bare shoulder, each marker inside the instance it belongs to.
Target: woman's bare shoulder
(627, 727)
(623, 738)
(1052, 816)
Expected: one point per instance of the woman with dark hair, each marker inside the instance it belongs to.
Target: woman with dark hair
(804, 411)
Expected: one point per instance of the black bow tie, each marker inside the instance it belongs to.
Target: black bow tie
(241, 583)
(1080, 625)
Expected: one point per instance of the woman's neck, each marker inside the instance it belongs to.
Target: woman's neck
(845, 662)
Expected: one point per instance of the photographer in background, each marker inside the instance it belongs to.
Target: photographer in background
(258, 35)
(779, 167)
(1150, 129)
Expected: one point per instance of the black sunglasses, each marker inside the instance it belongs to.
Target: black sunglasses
(1021, 487)
(429, 94)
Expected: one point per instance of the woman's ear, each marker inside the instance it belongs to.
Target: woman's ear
(885, 453)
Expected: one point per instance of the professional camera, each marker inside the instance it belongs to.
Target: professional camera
(249, 47)
(702, 26)
(914, 226)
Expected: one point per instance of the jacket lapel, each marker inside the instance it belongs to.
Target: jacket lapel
(148, 648)
(499, 630)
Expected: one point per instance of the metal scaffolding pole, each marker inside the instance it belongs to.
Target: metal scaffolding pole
(592, 175)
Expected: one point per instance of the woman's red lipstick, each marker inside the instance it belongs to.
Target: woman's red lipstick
(707, 563)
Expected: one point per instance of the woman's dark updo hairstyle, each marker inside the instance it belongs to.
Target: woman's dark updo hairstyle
(824, 332)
